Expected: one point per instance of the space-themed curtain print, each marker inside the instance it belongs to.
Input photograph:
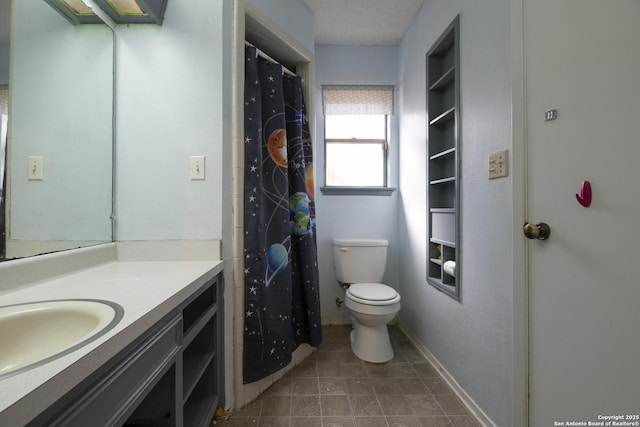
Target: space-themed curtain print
(282, 304)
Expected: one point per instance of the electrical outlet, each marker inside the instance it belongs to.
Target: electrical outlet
(498, 164)
(197, 167)
(34, 171)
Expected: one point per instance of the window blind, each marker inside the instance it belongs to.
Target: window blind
(357, 99)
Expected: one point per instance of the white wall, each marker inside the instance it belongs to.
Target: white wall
(353, 216)
(170, 107)
(472, 338)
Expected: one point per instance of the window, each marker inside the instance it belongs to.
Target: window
(356, 138)
(355, 151)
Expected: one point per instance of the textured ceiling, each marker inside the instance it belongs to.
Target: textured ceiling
(362, 22)
(357, 22)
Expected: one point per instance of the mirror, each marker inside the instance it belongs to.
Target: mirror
(58, 191)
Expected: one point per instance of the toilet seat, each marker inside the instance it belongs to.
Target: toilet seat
(372, 294)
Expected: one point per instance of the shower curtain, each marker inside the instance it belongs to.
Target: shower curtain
(282, 305)
(4, 120)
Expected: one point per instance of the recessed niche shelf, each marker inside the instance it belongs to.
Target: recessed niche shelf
(443, 147)
(444, 117)
(441, 154)
(443, 82)
(442, 180)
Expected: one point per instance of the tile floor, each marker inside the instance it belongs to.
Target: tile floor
(333, 388)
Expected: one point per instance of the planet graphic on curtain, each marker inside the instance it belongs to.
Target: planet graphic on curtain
(310, 182)
(277, 146)
(277, 261)
(299, 213)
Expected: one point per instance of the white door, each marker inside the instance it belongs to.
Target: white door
(582, 58)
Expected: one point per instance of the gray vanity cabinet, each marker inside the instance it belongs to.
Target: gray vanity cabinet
(171, 376)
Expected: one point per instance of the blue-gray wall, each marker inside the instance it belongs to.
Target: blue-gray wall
(5, 23)
(4, 64)
(353, 216)
(472, 338)
(170, 78)
(61, 109)
(170, 107)
(292, 16)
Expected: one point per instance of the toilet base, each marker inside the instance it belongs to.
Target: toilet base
(371, 343)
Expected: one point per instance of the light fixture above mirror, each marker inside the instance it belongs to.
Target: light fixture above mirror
(78, 7)
(134, 11)
(121, 11)
(76, 11)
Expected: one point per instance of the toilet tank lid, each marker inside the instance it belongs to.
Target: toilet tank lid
(359, 242)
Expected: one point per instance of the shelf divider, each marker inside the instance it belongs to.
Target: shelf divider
(444, 80)
(444, 117)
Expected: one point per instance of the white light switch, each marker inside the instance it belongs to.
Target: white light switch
(498, 164)
(197, 167)
(35, 172)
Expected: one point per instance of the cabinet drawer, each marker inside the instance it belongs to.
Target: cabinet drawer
(121, 389)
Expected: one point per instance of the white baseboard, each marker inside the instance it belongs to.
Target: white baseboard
(480, 416)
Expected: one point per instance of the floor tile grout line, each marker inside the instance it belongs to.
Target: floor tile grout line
(319, 400)
(405, 365)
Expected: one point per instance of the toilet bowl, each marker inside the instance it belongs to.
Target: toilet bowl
(359, 266)
(372, 306)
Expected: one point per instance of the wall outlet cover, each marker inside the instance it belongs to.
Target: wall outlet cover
(498, 164)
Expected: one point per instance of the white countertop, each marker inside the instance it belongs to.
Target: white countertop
(147, 291)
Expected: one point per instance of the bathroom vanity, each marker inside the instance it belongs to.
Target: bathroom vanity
(160, 365)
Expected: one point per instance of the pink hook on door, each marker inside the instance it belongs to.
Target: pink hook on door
(584, 198)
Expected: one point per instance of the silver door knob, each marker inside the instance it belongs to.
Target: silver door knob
(539, 231)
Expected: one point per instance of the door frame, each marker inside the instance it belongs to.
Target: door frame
(519, 177)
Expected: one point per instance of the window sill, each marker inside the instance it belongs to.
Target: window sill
(357, 191)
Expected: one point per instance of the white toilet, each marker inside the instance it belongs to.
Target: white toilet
(359, 264)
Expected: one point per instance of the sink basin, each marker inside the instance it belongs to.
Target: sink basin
(36, 333)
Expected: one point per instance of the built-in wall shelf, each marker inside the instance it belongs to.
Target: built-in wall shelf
(443, 242)
(443, 180)
(443, 82)
(444, 117)
(443, 147)
(440, 154)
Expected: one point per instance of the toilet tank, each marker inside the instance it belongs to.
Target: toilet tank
(359, 260)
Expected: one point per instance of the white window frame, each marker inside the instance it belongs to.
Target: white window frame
(359, 100)
(384, 145)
